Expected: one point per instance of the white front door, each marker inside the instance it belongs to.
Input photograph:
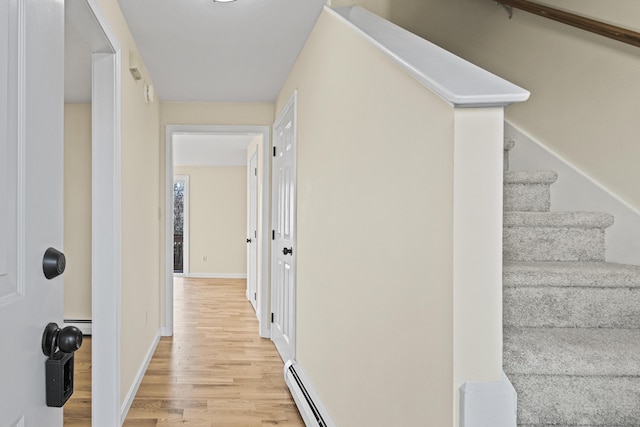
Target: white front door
(31, 201)
(283, 253)
(252, 231)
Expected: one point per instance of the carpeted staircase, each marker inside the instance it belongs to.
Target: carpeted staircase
(571, 320)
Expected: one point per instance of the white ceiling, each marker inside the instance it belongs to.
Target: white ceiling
(210, 149)
(199, 50)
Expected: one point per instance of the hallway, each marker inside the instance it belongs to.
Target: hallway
(215, 370)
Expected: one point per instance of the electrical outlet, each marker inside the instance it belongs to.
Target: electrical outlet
(204, 258)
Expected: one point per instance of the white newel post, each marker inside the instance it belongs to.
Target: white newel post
(480, 393)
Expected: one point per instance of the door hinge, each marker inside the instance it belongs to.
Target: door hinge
(272, 317)
(255, 171)
(255, 233)
(273, 234)
(255, 296)
(274, 151)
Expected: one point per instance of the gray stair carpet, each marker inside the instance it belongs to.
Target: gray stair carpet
(571, 320)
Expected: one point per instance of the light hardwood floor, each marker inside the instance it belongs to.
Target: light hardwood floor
(77, 410)
(214, 371)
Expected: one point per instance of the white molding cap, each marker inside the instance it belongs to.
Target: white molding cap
(457, 81)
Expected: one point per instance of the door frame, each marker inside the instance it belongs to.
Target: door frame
(88, 18)
(185, 226)
(252, 202)
(265, 238)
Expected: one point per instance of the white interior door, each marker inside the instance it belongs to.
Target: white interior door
(283, 279)
(31, 201)
(252, 231)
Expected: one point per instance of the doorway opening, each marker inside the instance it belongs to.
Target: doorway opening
(215, 165)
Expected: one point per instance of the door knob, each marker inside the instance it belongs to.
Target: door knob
(286, 251)
(248, 240)
(53, 263)
(67, 340)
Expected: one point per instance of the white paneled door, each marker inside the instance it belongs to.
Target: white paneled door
(252, 231)
(31, 201)
(284, 252)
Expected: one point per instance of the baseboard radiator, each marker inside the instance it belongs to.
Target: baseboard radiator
(309, 405)
(84, 325)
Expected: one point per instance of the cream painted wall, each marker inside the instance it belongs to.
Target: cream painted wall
(140, 164)
(77, 211)
(218, 219)
(584, 104)
(375, 209)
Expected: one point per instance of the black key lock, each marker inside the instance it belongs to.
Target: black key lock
(59, 345)
(53, 263)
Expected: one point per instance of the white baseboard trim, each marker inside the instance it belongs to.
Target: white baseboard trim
(577, 191)
(85, 326)
(165, 331)
(131, 394)
(307, 400)
(488, 404)
(217, 275)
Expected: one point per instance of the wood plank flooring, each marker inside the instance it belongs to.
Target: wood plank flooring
(215, 370)
(77, 410)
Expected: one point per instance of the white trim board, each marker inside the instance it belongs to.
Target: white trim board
(131, 394)
(577, 191)
(217, 275)
(264, 238)
(87, 17)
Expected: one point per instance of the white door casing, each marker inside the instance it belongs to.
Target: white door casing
(90, 23)
(252, 230)
(284, 251)
(264, 237)
(31, 200)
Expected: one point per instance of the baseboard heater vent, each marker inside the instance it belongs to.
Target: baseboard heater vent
(311, 409)
(84, 325)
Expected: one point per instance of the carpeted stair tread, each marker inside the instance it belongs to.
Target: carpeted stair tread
(571, 307)
(572, 352)
(571, 320)
(530, 177)
(568, 425)
(602, 401)
(586, 220)
(528, 191)
(571, 274)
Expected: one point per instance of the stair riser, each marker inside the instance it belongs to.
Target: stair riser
(568, 400)
(527, 197)
(553, 244)
(572, 307)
